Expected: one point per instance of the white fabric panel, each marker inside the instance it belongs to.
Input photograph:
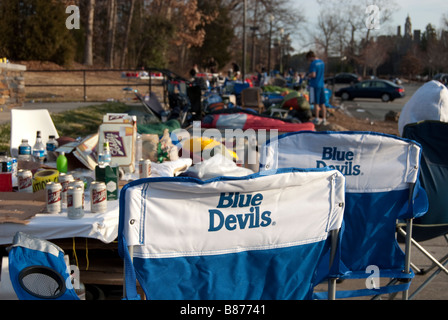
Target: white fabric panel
(25, 124)
(179, 219)
(370, 162)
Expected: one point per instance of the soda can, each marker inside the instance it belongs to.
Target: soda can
(75, 203)
(25, 180)
(144, 167)
(64, 180)
(53, 195)
(98, 197)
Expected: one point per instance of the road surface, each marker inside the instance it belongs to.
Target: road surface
(375, 109)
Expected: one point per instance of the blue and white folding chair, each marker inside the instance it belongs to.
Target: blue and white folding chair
(433, 137)
(255, 237)
(381, 187)
(38, 270)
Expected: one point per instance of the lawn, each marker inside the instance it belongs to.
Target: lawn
(75, 123)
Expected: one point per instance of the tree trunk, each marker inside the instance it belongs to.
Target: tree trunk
(126, 36)
(88, 51)
(111, 27)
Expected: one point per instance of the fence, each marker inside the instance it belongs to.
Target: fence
(129, 80)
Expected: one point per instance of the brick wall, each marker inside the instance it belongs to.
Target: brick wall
(12, 85)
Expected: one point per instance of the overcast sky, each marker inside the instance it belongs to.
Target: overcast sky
(420, 12)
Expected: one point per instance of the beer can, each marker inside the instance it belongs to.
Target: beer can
(25, 180)
(76, 183)
(53, 195)
(64, 180)
(98, 197)
(75, 203)
(144, 167)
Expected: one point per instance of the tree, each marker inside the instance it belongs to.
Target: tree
(88, 49)
(111, 30)
(328, 26)
(127, 32)
(374, 55)
(35, 30)
(218, 35)
(411, 65)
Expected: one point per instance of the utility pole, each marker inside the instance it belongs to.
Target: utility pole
(244, 41)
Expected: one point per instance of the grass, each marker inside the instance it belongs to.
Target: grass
(75, 123)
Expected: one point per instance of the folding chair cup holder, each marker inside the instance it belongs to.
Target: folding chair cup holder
(42, 282)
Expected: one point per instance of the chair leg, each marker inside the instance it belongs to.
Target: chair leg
(424, 284)
(332, 289)
(436, 263)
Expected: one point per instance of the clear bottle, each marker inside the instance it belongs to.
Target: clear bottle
(25, 151)
(52, 145)
(104, 157)
(39, 149)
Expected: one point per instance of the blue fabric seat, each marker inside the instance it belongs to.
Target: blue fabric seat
(382, 187)
(249, 238)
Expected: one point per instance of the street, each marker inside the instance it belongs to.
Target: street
(375, 109)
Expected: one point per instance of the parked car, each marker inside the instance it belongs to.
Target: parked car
(383, 89)
(442, 77)
(350, 78)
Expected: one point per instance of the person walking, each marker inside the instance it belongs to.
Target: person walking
(317, 87)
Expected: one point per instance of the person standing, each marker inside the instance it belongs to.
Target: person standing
(317, 87)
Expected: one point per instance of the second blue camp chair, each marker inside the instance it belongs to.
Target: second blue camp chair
(256, 237)
(381, 187)
(433, 137)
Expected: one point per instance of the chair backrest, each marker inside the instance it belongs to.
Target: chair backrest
(38, 270)
(25, 124)
(381, 171)
(433, 137)
(251, 98)
(255, 237)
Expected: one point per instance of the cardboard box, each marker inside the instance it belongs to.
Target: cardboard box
(121, 132)
(18, 207)
(83, 152)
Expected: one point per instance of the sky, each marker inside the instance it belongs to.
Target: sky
(420, 12)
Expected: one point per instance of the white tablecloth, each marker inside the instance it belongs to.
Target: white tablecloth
(103, 227)
(100, 226)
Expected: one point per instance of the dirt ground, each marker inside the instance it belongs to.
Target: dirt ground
(338, 119)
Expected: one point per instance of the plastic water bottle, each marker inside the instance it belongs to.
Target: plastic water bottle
(61, 163)
(52, 145)
(25, 151)
(104, 157)
(39, 149)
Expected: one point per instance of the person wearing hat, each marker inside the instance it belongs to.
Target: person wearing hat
(429, 102)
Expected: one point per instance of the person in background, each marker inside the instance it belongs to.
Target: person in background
(317, 87)
(429, 102)
(194, 70)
